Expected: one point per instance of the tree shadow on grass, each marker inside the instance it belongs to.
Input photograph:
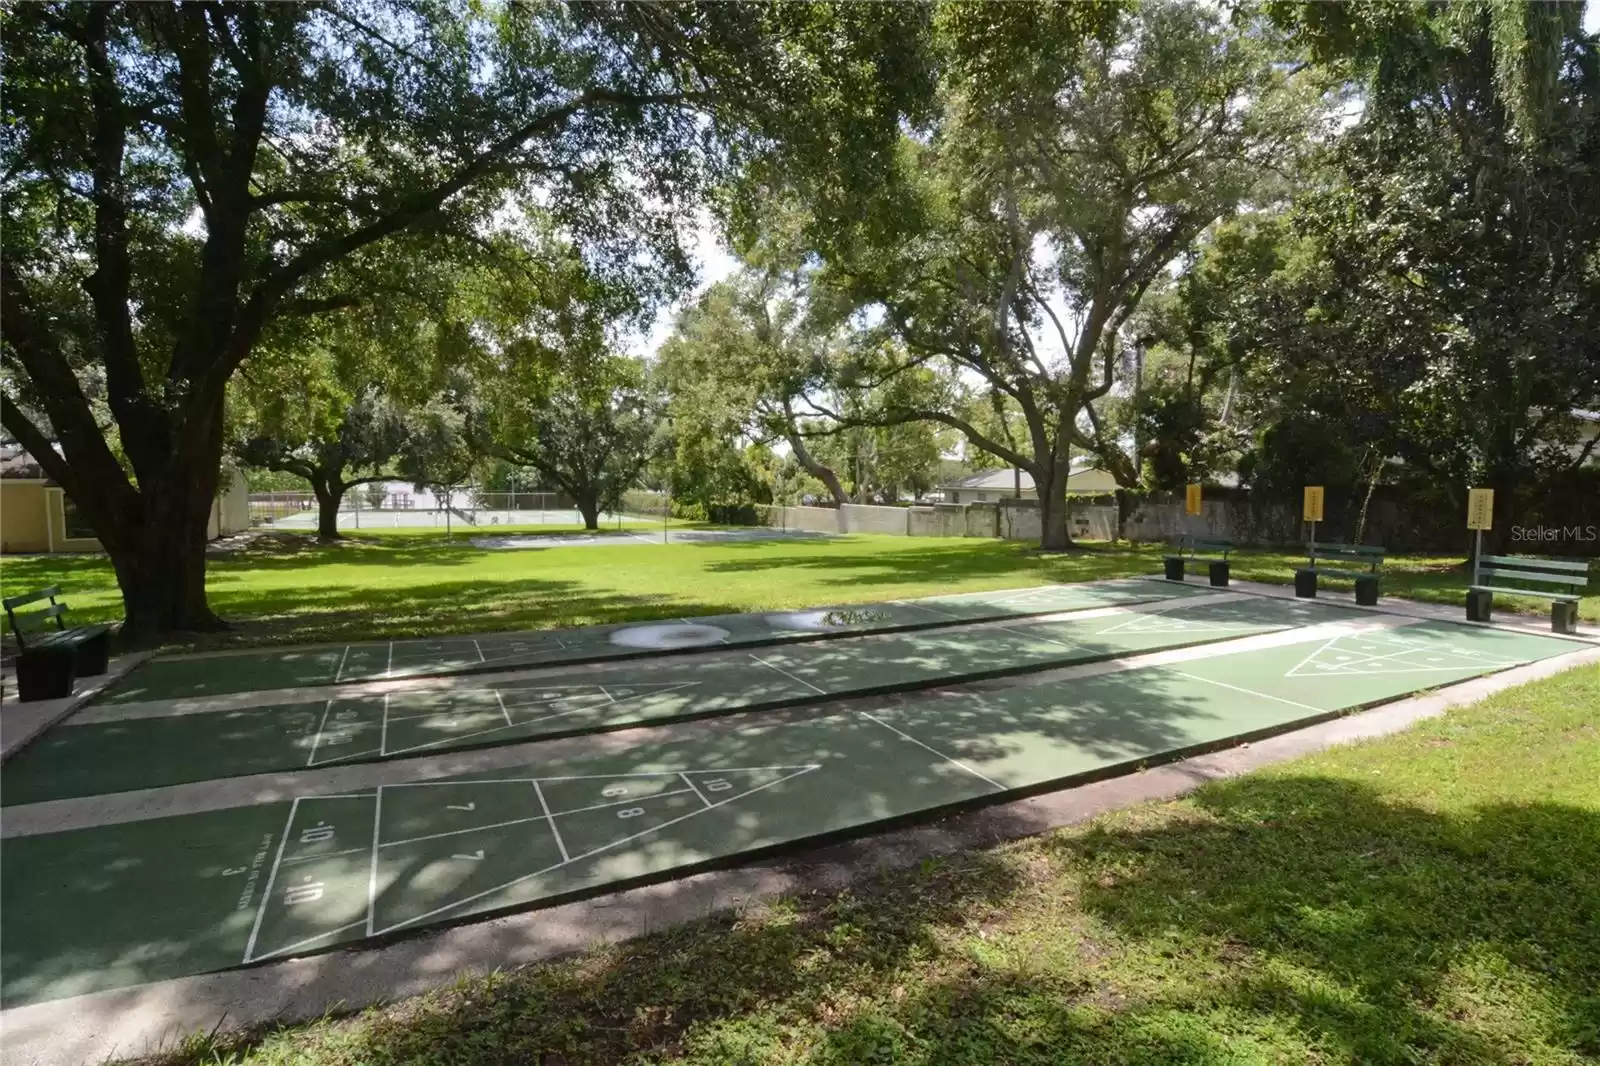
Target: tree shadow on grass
(1299, 918)
(960, 560)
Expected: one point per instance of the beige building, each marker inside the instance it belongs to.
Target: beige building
(991, 486)
(36, 516)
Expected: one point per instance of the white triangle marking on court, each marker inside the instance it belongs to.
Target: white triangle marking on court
(608, 846)
(534, 721)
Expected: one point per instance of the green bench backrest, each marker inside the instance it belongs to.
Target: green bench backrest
(1203, 544)
(26, 622)
(1563, 572)
(1361, 553)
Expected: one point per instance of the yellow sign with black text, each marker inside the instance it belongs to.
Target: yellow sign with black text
(1191, 499)
(1480, 508)
(1313, 503)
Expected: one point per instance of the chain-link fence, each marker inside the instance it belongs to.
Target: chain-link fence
(365, 507)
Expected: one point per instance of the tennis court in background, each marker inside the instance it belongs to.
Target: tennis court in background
(116, 905)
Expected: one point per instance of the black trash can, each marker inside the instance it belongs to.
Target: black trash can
(1305, 584)
(1480, 605)
(1367, 590)
(46, 673)
(1564, 617)
(1174, 567)
(1219, 573)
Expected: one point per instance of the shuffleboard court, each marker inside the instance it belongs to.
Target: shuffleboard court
(119, 905)
(190, 676)
(94, 753)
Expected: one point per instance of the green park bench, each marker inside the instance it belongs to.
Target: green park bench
(1564, 582)
(1360, 562)
(1213, 551)
(49, 660)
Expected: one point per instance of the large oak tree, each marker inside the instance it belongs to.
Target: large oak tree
(181, 180)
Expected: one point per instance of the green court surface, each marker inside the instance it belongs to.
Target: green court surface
(118, 905)
(189, 676)
(93, 753)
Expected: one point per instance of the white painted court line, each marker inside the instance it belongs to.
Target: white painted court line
(266, 893)
(479, 648)
(339, 673)
(316, 740)
(325, 855)
(550, 818)
(1251, 692)
(501, 701)
(541, 817)
(383, 728)
(307, 941)
(955, 762)
(924, 607)
(1354, 659)
(593, 851)
(388, 670)
(785, 673)
(464, 832)
(697, 792)
(1035, 636)
(372, 875)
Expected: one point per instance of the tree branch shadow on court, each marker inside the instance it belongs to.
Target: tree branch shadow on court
(1312, 905)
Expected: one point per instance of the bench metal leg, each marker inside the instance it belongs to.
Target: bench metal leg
(1173, 564)
(1305, 584)
(1367, 590)
(46, 674)
(1564, 617)
(1480, 605)
(1218, 572)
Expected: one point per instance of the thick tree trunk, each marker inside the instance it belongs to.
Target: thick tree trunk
(589, 507)
(330, 494)
(822, 473)
(160, 560)
(1124, 504)
(1053, 533)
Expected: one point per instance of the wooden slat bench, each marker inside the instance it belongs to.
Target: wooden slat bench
(1361, 562)
(1213, 551)
(1564, 581)
(49, 660)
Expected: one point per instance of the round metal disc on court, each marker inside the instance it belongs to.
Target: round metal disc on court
(668, 637)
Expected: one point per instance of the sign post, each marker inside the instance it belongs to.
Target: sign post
(1311, 511)
(1480, 516)
(1191, 499)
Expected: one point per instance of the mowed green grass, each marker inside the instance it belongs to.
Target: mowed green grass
(1431, 897)
(394, 583)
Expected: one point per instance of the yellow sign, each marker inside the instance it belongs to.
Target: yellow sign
(1480, 508)
(1191, 499)
(1313, 504)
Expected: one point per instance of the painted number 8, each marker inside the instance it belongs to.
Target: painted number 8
(613, 791)
(630, 812)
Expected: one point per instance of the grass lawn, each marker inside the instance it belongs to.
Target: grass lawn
(1431, 897)
(391, 583)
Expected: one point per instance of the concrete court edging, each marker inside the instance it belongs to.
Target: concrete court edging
(147, 1018)
(21, 722)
